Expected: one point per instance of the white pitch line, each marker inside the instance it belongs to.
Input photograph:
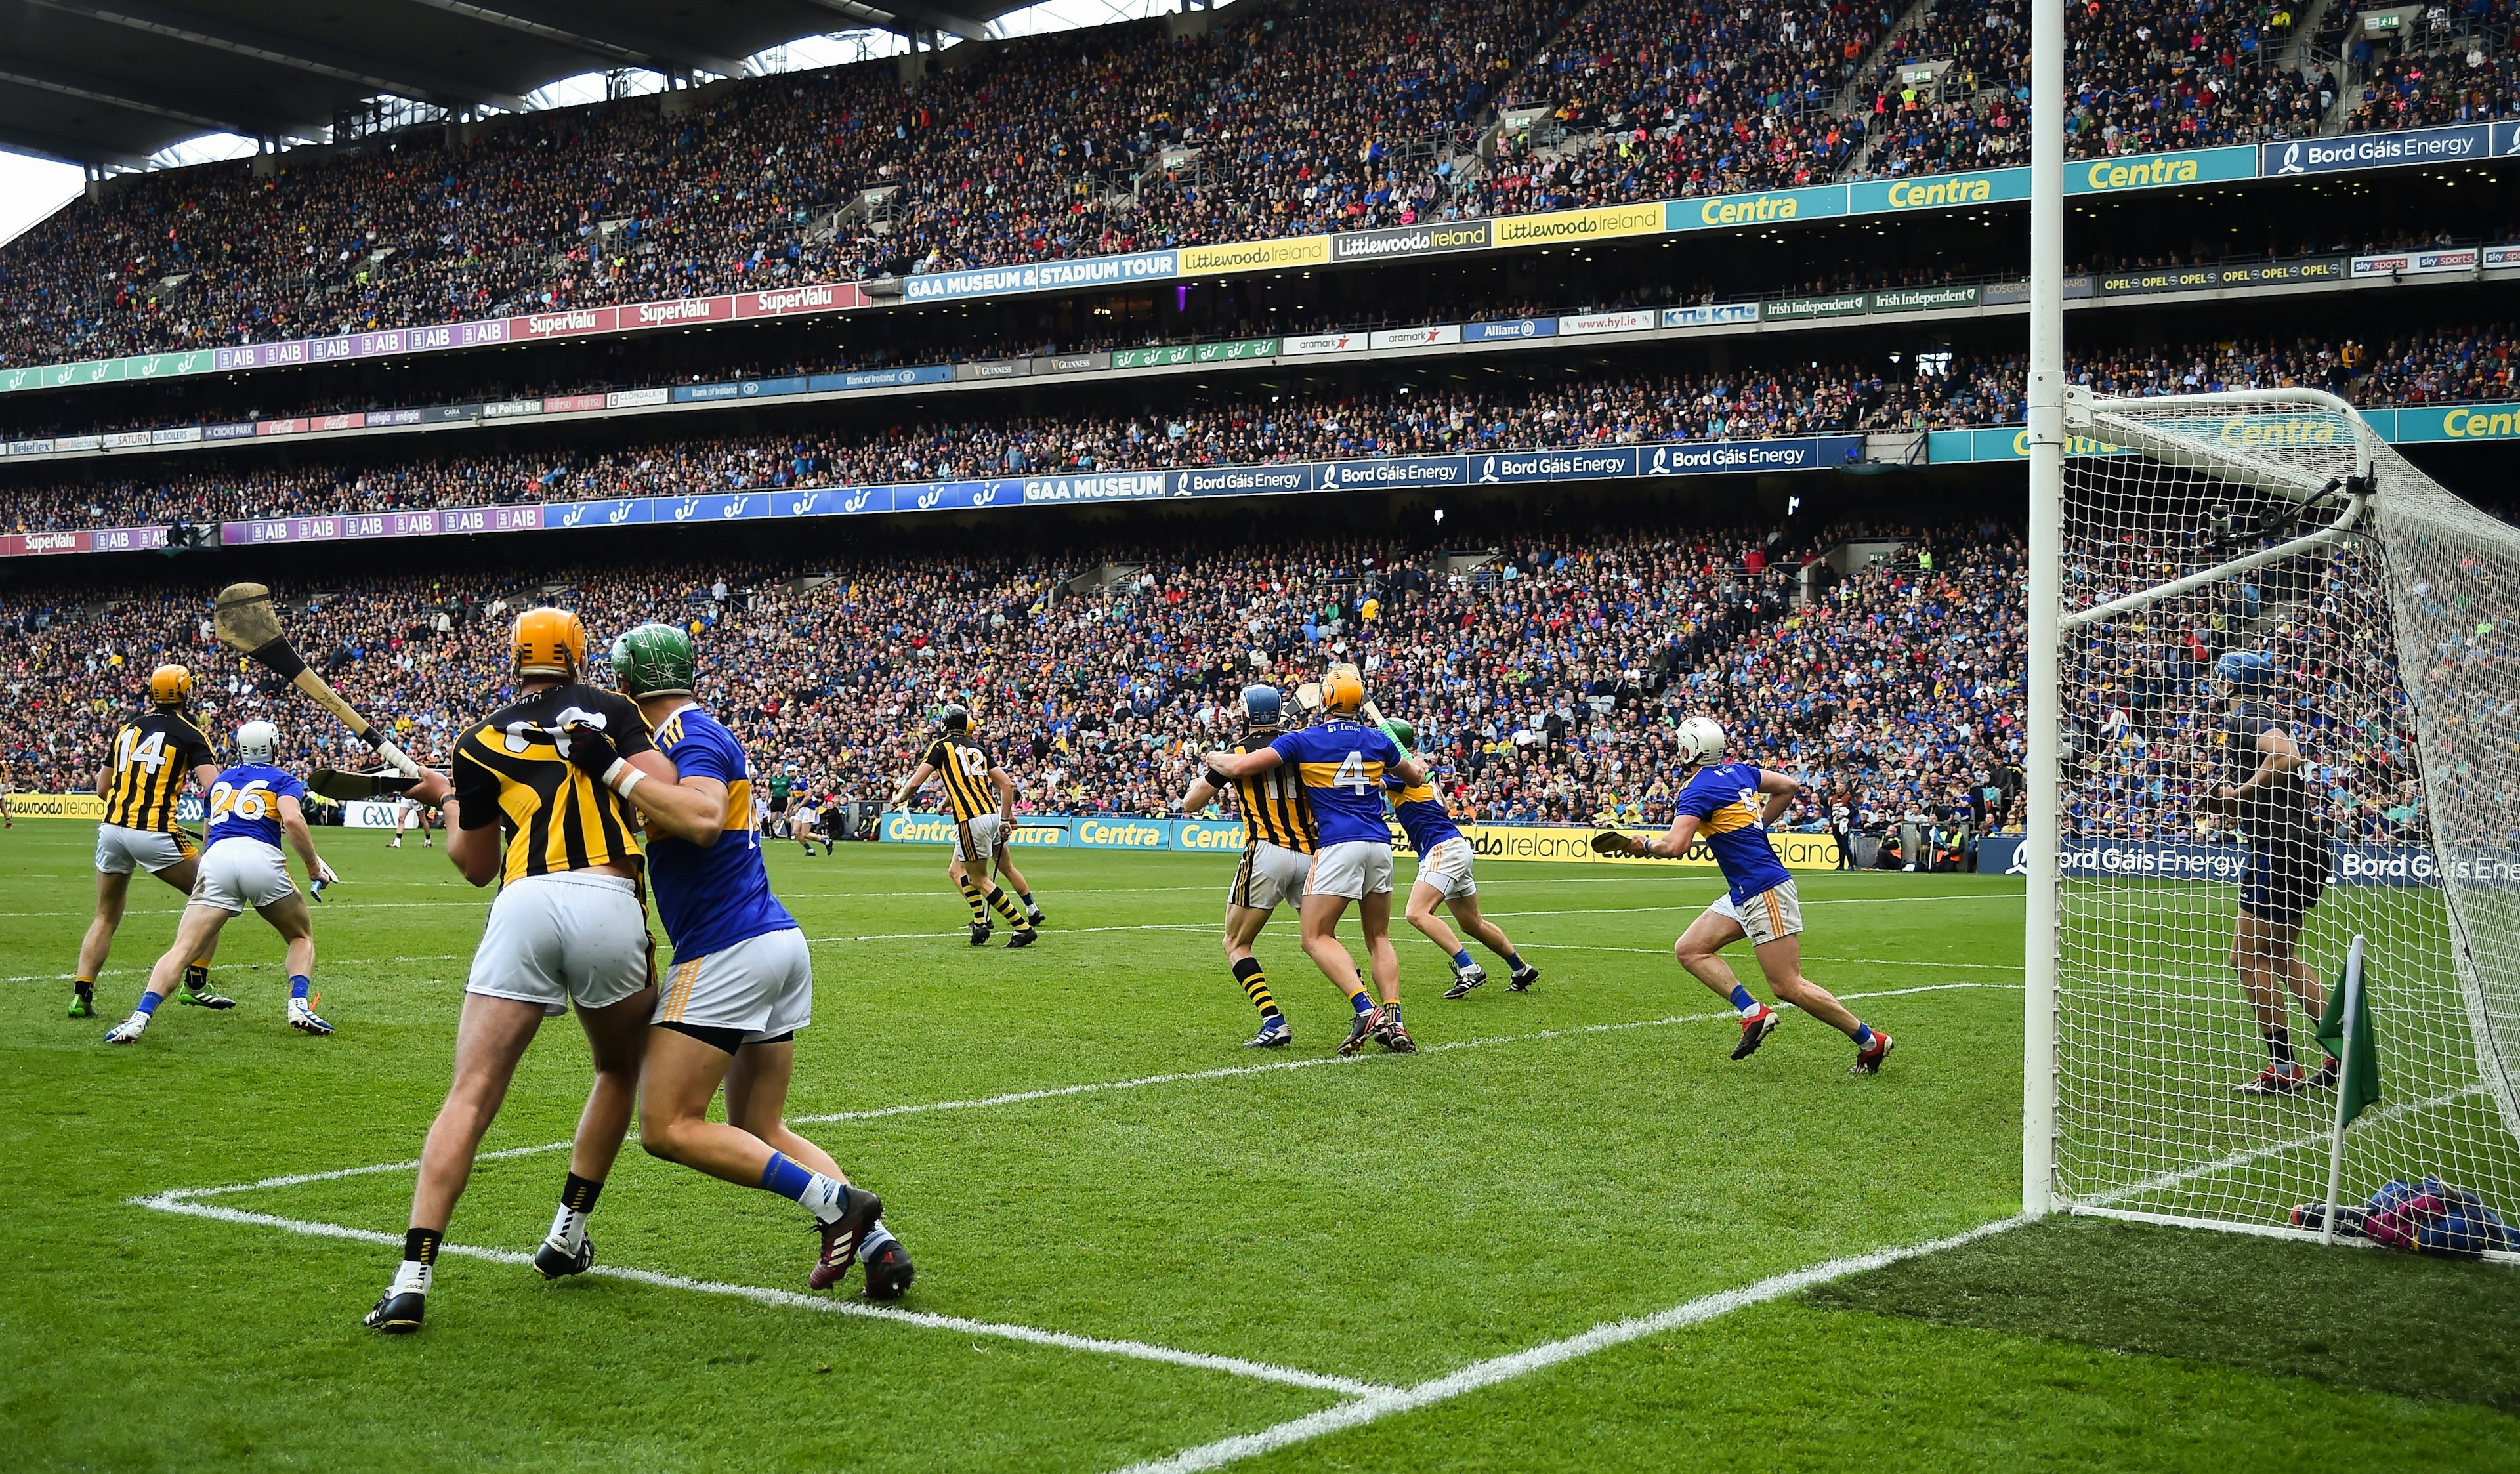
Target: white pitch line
(1140, 1351)
(1482, 1374)
(1090, 1088)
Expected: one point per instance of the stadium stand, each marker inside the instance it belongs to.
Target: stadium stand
(1275, 119)
(1604, 408)
(1547, 678)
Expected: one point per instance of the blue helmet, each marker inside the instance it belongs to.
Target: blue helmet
(1262, 706)
(2246, 670)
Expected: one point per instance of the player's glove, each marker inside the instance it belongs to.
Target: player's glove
(591, 751)
(321, 878)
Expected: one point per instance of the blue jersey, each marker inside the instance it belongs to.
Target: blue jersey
(1727, 801)
(245, 803)
(1341, 764)
(712, 896)
(1421, 815)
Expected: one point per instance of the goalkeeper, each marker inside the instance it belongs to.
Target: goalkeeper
(2287, 872)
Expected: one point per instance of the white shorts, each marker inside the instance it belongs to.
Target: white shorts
(1770, 916)
(557, 938)
(241, 874)
(1448, 869)
(761, 987)
(984, 837)
(1354, 868)
(119, 850)
(1269, 876)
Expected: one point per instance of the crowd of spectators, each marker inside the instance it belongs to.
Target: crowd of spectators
(1546, 677)
(1279, 118)
(1933, 392)
(1241, 430)
(1671, 98)
(2147, 77)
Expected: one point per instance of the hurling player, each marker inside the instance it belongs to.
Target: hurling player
(253, 805)
(1444, 874)
(143, 776)
(1279, 838)
(1732, 804)
(982, 799)
(743, 982)
(569, 925)
(1342, 763)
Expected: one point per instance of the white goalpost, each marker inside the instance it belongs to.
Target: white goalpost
(2189, 554)
(2207, 569)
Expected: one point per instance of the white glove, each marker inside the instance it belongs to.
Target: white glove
(324, 872)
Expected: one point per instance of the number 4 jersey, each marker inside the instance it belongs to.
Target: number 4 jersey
(1342, 764)
(245, 803)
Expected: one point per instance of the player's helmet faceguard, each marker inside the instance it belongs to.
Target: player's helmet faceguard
(1342, 693)
(170, 685)
(257, 742)
(653, 660)
(954, 719)
(548, 643)
(1403, 733)
(1701, 741)
(1263, 706)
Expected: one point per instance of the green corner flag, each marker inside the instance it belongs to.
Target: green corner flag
(2361, 1085)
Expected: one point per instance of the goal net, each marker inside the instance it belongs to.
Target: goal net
(2235, 564)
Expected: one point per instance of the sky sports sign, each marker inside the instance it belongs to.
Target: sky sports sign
(1392, 474)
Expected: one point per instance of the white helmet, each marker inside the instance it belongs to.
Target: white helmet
(257, 742)
(1701, 741)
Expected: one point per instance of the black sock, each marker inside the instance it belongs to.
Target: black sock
(579, 1194)
(197, 977)
(2280, 1048)
(1255, 985)
(420, 1245)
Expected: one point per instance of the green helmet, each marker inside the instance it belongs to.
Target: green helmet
(653, 660)
(1402, 733)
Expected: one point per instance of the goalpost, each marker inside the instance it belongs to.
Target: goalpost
(2376, 618)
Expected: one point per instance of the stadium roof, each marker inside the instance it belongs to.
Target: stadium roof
(110, 82)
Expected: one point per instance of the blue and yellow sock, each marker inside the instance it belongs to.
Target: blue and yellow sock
(1462, 961)
(298, 983)
(1862, 1035)
(149, 1002)
(1742, 1001)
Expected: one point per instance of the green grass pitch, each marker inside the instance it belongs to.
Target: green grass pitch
(1111, 1275)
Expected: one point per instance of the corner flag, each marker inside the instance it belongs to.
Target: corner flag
(2359, 1085)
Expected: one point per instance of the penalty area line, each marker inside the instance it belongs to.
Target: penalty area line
(1376, 1407)
(180, 1202)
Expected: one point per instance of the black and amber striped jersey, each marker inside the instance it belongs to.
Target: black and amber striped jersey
(965, 766)
(145, 771)
(1276, 809)
(509, 771)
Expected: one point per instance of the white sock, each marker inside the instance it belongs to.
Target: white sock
(137, 1021)
(875, 1238)
(568, 1229)
(412, 1278)
(828, 1198)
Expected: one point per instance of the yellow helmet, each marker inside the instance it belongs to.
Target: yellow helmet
(549, 642)
(1342, 693)
(170, 685)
